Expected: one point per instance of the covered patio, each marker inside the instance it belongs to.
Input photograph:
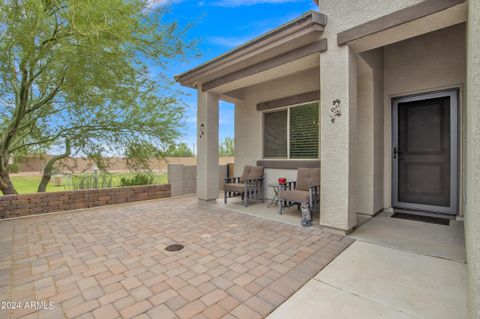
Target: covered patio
(267, 74)
(269, 210)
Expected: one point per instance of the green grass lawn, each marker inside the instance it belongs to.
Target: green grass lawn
(29, 183)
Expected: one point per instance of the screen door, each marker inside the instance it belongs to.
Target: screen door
(424, 152)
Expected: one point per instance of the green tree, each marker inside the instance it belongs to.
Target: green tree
(227, 147)
(138, 156)
(74, 78)
(179, 150)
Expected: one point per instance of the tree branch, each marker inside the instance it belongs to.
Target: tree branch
(47, 171)
(46, 99)
(18, 115)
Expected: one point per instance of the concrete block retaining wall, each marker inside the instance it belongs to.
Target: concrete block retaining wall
(183, 178)
(39, 203)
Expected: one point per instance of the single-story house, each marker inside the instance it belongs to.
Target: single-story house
(383, 96)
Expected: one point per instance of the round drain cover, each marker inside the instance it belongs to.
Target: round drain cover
(174, 247)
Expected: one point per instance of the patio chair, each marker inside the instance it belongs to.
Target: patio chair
(249, 185)
(305, 189)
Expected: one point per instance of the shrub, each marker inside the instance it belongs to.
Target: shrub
(91, 181)
(138, 179)
(14, 168)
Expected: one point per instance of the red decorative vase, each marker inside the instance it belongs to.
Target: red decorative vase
(282, 180)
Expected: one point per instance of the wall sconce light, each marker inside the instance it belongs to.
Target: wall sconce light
(335, 110)
(201, 130)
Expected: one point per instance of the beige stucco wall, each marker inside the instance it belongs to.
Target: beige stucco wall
(426, 63)
(345, 14)
(271, 177)
(368, 163)
(358, 178)
(338, 72)
(340, 195)
(207, 143)
(249, 121)
(472, 174)
(430, 62)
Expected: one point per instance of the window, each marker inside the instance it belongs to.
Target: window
(292, 132)
(275, 134)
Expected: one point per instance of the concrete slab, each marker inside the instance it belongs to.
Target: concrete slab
(319, 300)
(428, 239)
(418, 285)
(291, 215)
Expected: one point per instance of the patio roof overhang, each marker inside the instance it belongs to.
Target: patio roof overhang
(292, 47)
(421, 18)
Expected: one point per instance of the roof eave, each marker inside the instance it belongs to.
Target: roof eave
(312, 17)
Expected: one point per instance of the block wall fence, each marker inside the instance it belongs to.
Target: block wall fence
(183, 178)
(39, 203)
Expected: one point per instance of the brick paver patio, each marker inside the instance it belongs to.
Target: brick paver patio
(111, 262)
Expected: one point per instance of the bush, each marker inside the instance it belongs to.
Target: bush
(138, 179)
(91, 181)
(14, 168)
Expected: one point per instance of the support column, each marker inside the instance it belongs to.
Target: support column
(369, 157)
(472, 176)
(338, 78)
(207, 145)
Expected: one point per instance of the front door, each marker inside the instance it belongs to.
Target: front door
(425, 152)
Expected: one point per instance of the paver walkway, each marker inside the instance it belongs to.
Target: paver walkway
(111, 262)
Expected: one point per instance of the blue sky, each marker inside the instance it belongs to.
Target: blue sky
(221, 25)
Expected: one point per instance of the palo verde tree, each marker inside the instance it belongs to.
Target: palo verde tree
(227, 147)
(74, 78)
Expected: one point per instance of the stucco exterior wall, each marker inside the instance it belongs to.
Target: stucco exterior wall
(430, 62)
(249, 121)
(271, 177)
(345, 14)
(472, 206)
(340, 195)
(337, 187)
(368, 163)
(207, 143)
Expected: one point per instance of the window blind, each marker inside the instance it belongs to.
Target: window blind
(275, 134)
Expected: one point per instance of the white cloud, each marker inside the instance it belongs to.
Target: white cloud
(156, 3)
(242, 3)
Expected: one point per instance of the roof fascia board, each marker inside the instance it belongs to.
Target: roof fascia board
(306, 50)
(317, 19)
(394, 19)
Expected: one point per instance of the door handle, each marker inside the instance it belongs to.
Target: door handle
(396, 152)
